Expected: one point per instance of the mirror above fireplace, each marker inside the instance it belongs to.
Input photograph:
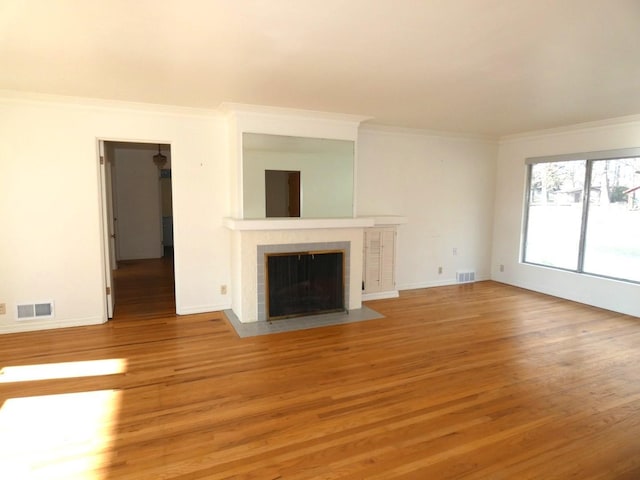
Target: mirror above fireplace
(325, 169)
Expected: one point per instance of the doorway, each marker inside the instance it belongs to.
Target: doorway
(282, 193)
(139, 228)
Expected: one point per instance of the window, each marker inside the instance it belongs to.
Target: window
(583, 213)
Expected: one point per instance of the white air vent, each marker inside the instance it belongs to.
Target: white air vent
(30, 311)
(466, 276)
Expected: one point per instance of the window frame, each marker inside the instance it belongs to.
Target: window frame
(589, 158)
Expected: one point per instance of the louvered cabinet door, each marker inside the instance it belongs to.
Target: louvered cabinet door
(379, 260)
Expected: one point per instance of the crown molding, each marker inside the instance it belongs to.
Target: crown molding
(574, 128)
(231, 108)
(416, 132)
(36, 98)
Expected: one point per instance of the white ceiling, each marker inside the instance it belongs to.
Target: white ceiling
(490, 67)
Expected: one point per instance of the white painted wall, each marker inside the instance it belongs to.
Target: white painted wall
(444, 186)
(509, 207)
(137, 191)
(51, 247)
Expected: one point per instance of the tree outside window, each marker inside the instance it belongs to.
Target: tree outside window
(594, 230)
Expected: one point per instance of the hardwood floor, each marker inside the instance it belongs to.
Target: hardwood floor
(480, 381)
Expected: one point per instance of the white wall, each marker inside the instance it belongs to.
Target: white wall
(51, 246)
(138, 209)
(444, 185)
(509, 208)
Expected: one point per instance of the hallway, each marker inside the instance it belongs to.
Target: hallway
(144, 289)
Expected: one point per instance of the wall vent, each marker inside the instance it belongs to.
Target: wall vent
(31, 311)
(467, 276)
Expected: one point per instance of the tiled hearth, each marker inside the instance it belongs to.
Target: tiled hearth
(302, 323)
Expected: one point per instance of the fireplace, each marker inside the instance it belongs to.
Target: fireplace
(304, 283)
(251, 240)
(271, 298)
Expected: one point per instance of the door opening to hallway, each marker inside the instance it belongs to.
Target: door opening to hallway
(139, 218)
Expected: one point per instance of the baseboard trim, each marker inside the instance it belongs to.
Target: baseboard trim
(438, 283)
(380, 295)
(202, 309)
(32, 326)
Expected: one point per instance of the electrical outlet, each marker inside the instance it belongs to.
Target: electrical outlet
(455, 251)
(439, 269)
(223, 289)
(502, 268)
(3, 308)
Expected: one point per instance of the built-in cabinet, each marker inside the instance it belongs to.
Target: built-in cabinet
(378, 274)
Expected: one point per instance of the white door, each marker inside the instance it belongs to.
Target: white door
(108, 233)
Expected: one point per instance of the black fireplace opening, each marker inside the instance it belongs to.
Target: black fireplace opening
(304, 283)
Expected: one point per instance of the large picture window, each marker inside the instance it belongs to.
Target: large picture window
(583, 213)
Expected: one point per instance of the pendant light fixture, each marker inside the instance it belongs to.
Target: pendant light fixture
(159, 159)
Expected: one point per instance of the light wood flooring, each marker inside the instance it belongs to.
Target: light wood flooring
(480, 381)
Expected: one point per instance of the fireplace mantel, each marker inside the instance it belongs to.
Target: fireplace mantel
(240, 224)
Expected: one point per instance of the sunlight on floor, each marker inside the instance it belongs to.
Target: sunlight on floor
(66, 436)
(63, 436)
(48, 371)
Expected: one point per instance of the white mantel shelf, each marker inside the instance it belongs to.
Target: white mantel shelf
(309, 223)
